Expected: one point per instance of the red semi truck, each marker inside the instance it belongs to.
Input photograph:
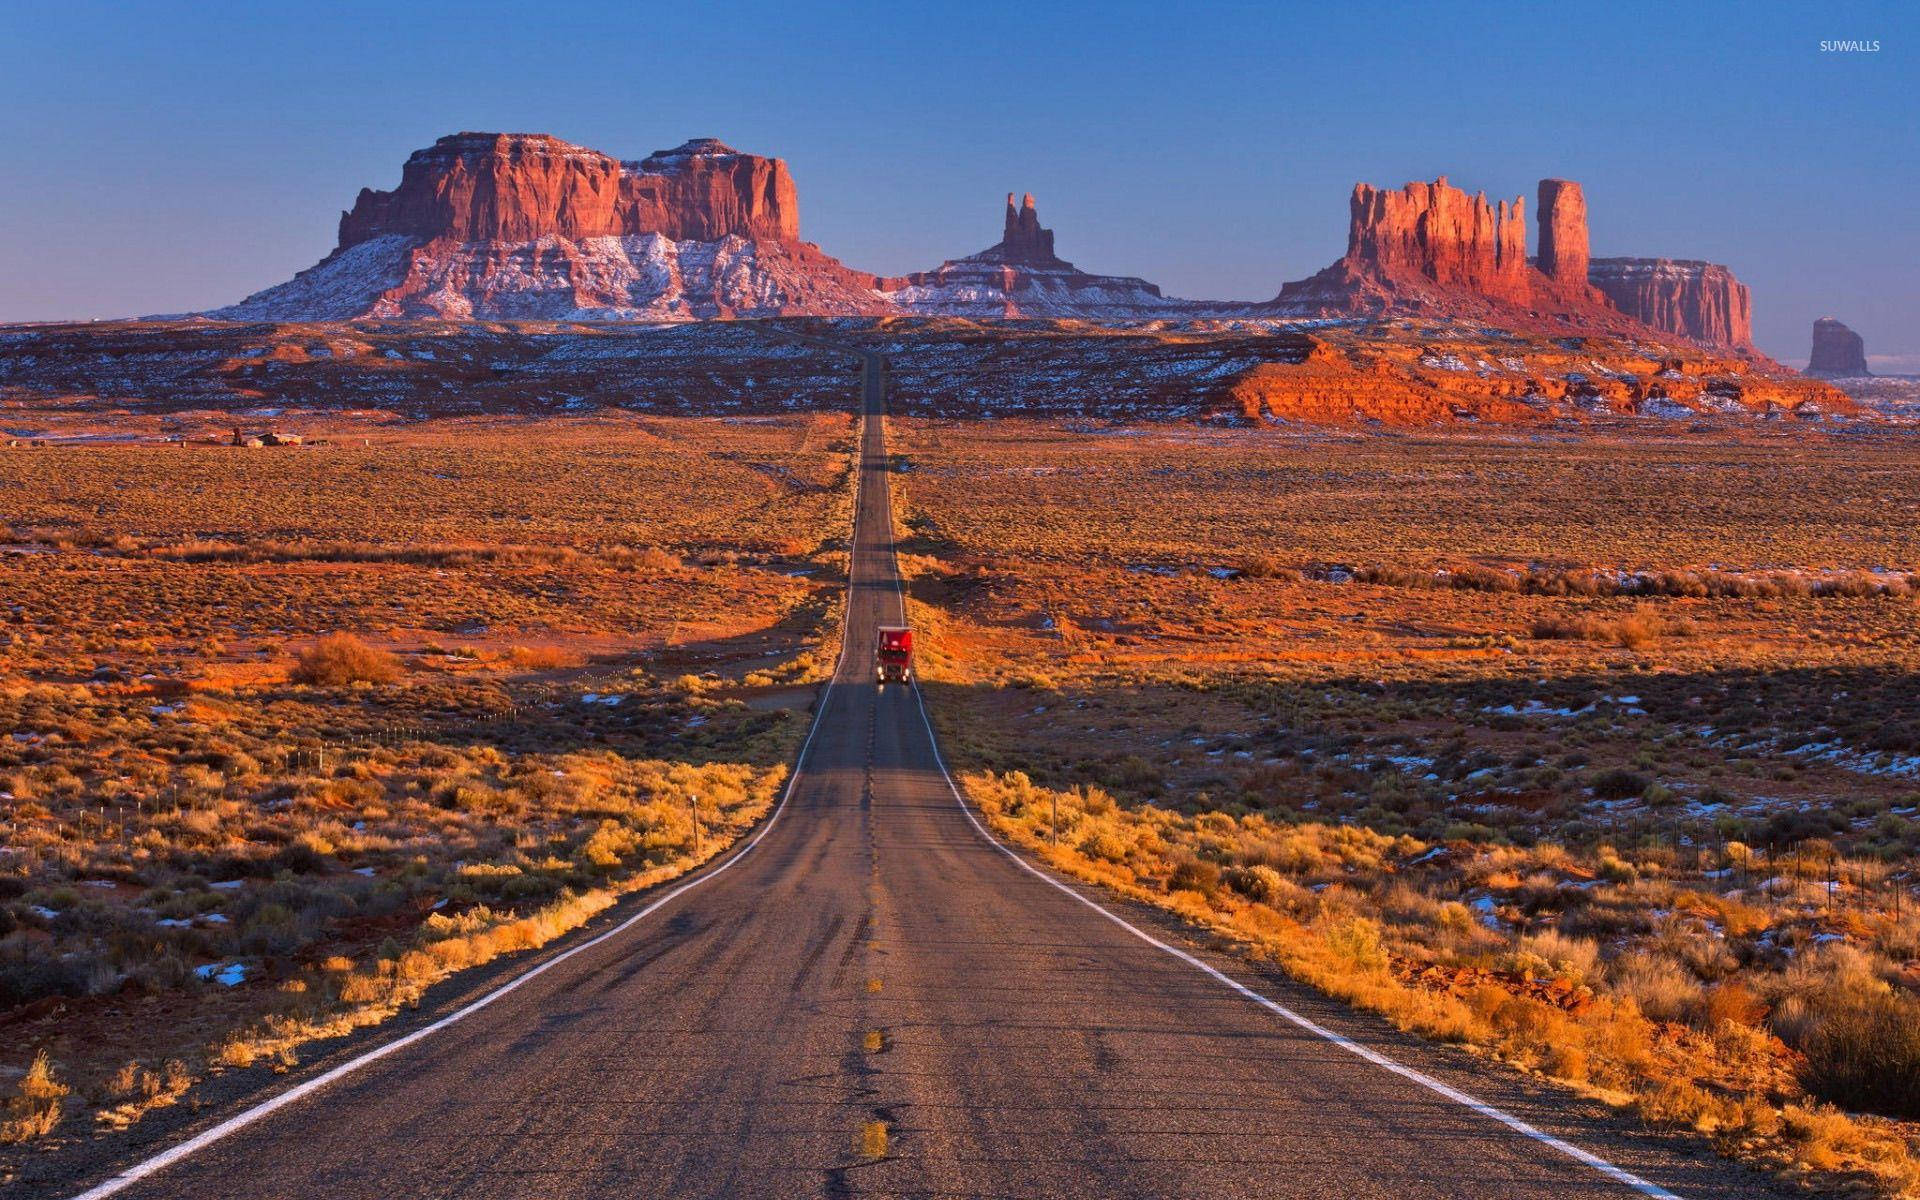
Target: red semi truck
(894, 661)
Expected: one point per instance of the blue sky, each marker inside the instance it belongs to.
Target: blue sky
(169, 156)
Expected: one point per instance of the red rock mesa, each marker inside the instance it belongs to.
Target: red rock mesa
(1838, 352)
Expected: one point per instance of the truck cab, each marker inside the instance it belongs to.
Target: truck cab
(893, 661)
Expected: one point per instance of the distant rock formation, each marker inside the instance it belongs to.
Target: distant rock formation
(1339, 376)
(1430, 249)
(1564, 254)
(1025, 241)
(1021, 276)
(517, 226)
(1699, 301)
(1437, 233)
(524, 226)
(1838, 352)
(513, 187)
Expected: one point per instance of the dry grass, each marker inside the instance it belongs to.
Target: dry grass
(1635, 631)
(1340, 908)
(1523, 507)
(1861, 1037)
(1475, 733)
(33, 1110)
(544, 658)
(287, 738)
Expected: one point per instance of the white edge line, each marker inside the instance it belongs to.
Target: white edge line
(293, 1095)
(1373, 1056)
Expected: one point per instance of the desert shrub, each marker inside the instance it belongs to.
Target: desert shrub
(1635, 630)
(1194, 875)
(1705, 955)
(340, 659)
(1556, 628)
(1133, 773)
(26, 976)
(1105, 845)
(303, 856)
(34, 1108)
(1729, 1002)
(1355, 941)
(1795, 826)
(606, 847)
(644, 558)
(1571, 958)
(1266, 566)
(1862, 1045)
(1618, 783)
(543, 658)
(1257, 882)
(1662, 988)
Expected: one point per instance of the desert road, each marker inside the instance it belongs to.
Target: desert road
(874, 959)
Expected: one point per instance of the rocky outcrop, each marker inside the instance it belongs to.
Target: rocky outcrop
(1564, 254)
(1838, 352)
(513, 226)
(1430, 249)
(1699, 301)
(1021, 276)
(1378, 378)
(1025, 241)
(1436, 233)
(514, 187)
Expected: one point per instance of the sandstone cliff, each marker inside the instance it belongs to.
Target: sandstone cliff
(1564, 254)
(477, 187)
(1437, 233)
(1838, 352)
(1430, 249)
(1699, 301)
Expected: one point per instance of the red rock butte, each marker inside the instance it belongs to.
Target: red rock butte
(1431, 249)
(1838, 352)
(512, 187)
(1436, 232)
(1699, 301)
